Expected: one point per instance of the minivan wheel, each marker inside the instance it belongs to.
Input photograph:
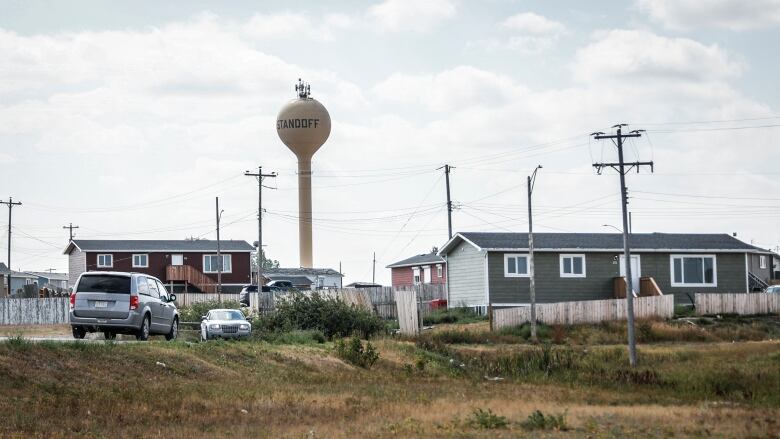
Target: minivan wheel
(174, 330)
(108, 335)
(143, 333)
(79, 332)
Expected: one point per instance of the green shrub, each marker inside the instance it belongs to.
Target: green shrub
(539, 421)
(486, 419)
(194, 312)
(453, 315)
(354, 353)
(332, 317)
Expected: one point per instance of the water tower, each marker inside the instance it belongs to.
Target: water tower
(303, 124)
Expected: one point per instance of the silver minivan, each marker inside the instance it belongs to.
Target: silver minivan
(122, 303)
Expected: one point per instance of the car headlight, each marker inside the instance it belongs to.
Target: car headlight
(243, 326)
(214, 326)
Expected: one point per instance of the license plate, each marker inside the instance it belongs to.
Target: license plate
(101, 304)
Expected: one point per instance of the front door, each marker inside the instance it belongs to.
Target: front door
(636, 270)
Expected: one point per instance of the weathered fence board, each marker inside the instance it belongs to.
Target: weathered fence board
(408, 317)
(589, 311)
(47, 311)
(187, 299)
(739, 303)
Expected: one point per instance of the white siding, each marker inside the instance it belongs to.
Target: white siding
(466, 276)
(77, 264)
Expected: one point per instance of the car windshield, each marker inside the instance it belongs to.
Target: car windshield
(226, 315)
(104, 284)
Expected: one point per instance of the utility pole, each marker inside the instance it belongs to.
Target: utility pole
(219, 256)
(623, 168)
(531, 273)
(260, 176)
(447, 169)
(373, 270)
(70, 227)
(10, 203)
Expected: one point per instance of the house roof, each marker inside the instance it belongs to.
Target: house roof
(430, 258)
(603, 242)
(4, 271)
(50, 276)
(182, 245)
(300, 272)
(362, 285)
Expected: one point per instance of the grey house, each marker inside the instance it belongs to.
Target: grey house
(492, 268)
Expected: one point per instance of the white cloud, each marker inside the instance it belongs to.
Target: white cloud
(451, 90)
(411, 15)
(297, 25)
(530, 23)
(736, 15)
(633, 55)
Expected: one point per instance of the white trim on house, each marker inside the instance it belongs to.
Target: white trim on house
(487, 282)
(145, 255)
(104, 265)
(515, 256)
(682, 265)
(439, 271)
(747, 274)
(230, 259)
(762, 262)
(571, 256)
(633, 250)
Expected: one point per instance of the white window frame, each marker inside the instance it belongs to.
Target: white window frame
(507, 256)
(139, 265)
(175, 255)
(99, 265)
(762, 261)
(563, 256)
(416, 278)
(439, 271)
(700, 285)
(229, 262)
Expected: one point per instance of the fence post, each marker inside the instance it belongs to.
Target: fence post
(490, 316)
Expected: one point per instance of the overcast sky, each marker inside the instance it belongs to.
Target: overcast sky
(128, 118)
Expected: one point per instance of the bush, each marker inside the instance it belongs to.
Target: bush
(194, 312)
(486, 419)
(355, 354)
(453, 315)
(540, 421)
(332, 317)
(309, 336)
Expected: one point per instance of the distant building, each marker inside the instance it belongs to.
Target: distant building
(186, 264)
(18, 280)
(319, 277)
(421, 269)
(50, 280)
(363, 285)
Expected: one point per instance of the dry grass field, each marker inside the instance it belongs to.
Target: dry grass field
(418, 388)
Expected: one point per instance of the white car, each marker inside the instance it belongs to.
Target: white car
(224, 323)
(773, 289)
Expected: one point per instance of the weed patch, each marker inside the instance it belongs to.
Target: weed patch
(539, 421)
(354, 353)
(486, 419)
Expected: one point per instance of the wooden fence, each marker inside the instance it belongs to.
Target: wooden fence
(408, 312)
(48, 311)
(187, 299)
(589, 311)
(740, 303)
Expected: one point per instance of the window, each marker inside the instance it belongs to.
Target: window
(515, 265)
(153, 291)
(694, 271)
(143, 285)
(210, 264)
(572, 265)
(762, 261)
(416, 274)
(140, 261)
(105, 261)
(439, 271)
(177, 259)
(163, 291)
(104, 284)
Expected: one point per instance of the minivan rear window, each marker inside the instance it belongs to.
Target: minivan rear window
(104, 284)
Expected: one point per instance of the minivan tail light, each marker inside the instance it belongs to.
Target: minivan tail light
(133, 302)
(72, 300)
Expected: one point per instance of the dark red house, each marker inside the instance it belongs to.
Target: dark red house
(421, 269)
(186, 264)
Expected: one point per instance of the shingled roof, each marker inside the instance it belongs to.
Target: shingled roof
(603, 242)
(430, 258)
(143, 245)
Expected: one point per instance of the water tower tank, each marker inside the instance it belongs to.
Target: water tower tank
(303, 124)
